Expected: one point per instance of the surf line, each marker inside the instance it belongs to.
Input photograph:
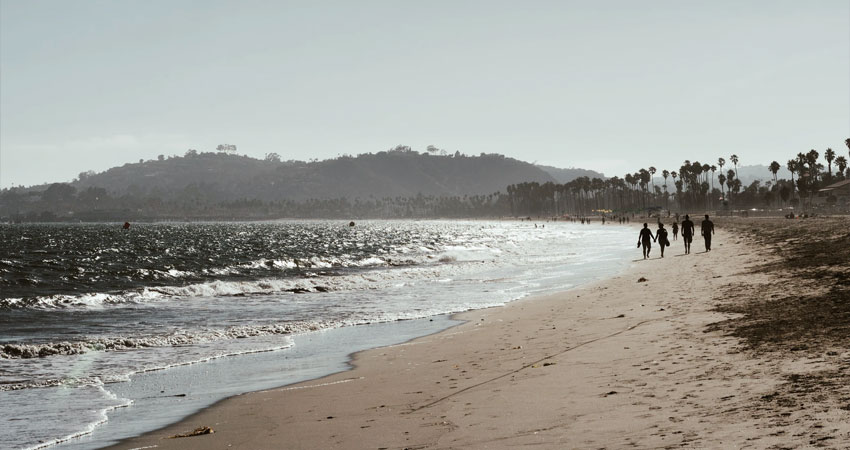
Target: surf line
(428, 405)
(292, 388)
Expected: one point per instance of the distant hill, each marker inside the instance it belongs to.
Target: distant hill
(397, 173)
(567, 175)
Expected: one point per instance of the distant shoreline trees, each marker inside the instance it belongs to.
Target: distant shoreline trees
(693, 189)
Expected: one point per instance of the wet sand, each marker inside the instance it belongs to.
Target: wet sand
(661, 363)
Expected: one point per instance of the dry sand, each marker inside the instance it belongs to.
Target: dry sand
(620, 363)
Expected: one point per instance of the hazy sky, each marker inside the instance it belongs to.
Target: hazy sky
(605, 85)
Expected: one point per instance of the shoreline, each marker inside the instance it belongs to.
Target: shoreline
(227, 411)
(617, 363)
(353, 359)
(456, 319)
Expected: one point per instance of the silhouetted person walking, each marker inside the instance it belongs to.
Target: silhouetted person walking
(675, 230)
(661, 236)
(687, 233)
(645, 238)
(707, 229)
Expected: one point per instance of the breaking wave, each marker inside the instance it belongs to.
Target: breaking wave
(307, 282)
(103, 344)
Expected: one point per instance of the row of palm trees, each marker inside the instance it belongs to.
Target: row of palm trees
(693, 187)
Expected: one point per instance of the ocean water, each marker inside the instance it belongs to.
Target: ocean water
(106, 333)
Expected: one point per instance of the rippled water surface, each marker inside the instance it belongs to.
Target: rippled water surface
(85, 306)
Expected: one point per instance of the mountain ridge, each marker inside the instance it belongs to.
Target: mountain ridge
(396, 173)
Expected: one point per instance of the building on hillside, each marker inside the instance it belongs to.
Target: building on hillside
(840, 190)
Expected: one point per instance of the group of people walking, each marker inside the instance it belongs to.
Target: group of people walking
(646, 238)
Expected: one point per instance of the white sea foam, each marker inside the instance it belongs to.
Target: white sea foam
(101, 417)
(93, 395)
(118, 343)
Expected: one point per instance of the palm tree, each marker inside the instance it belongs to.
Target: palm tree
(774, 169)
(730, 181)
(792, 167)
(804, 178)
(812, 161)
(841, 162)
(713, 168)
(847, 143)
(697, 168)
(675, 174)
(734, 159)
(644, 177)
(665, 173)
(652, 175)
(679, 192)
(705, 169)
(722, 179)
(720, 163)
(829, 154)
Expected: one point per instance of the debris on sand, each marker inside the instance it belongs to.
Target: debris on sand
(642, 280)
(196, 432)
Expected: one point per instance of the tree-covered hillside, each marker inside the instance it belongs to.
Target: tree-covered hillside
(400, 172)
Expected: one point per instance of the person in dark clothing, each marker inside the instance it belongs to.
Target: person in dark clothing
(707, 229)
(645, 238)
(661, 236)
(687, 233)
(675, 230)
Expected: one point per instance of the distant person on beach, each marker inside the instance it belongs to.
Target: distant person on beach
(707, 229)
(661, 236)
(687, 233)
(675, 230)
(645, 238)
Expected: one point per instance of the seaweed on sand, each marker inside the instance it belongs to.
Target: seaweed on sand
(809, 310)
(802, 314)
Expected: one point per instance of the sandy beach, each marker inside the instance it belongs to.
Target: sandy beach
(655, 357)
